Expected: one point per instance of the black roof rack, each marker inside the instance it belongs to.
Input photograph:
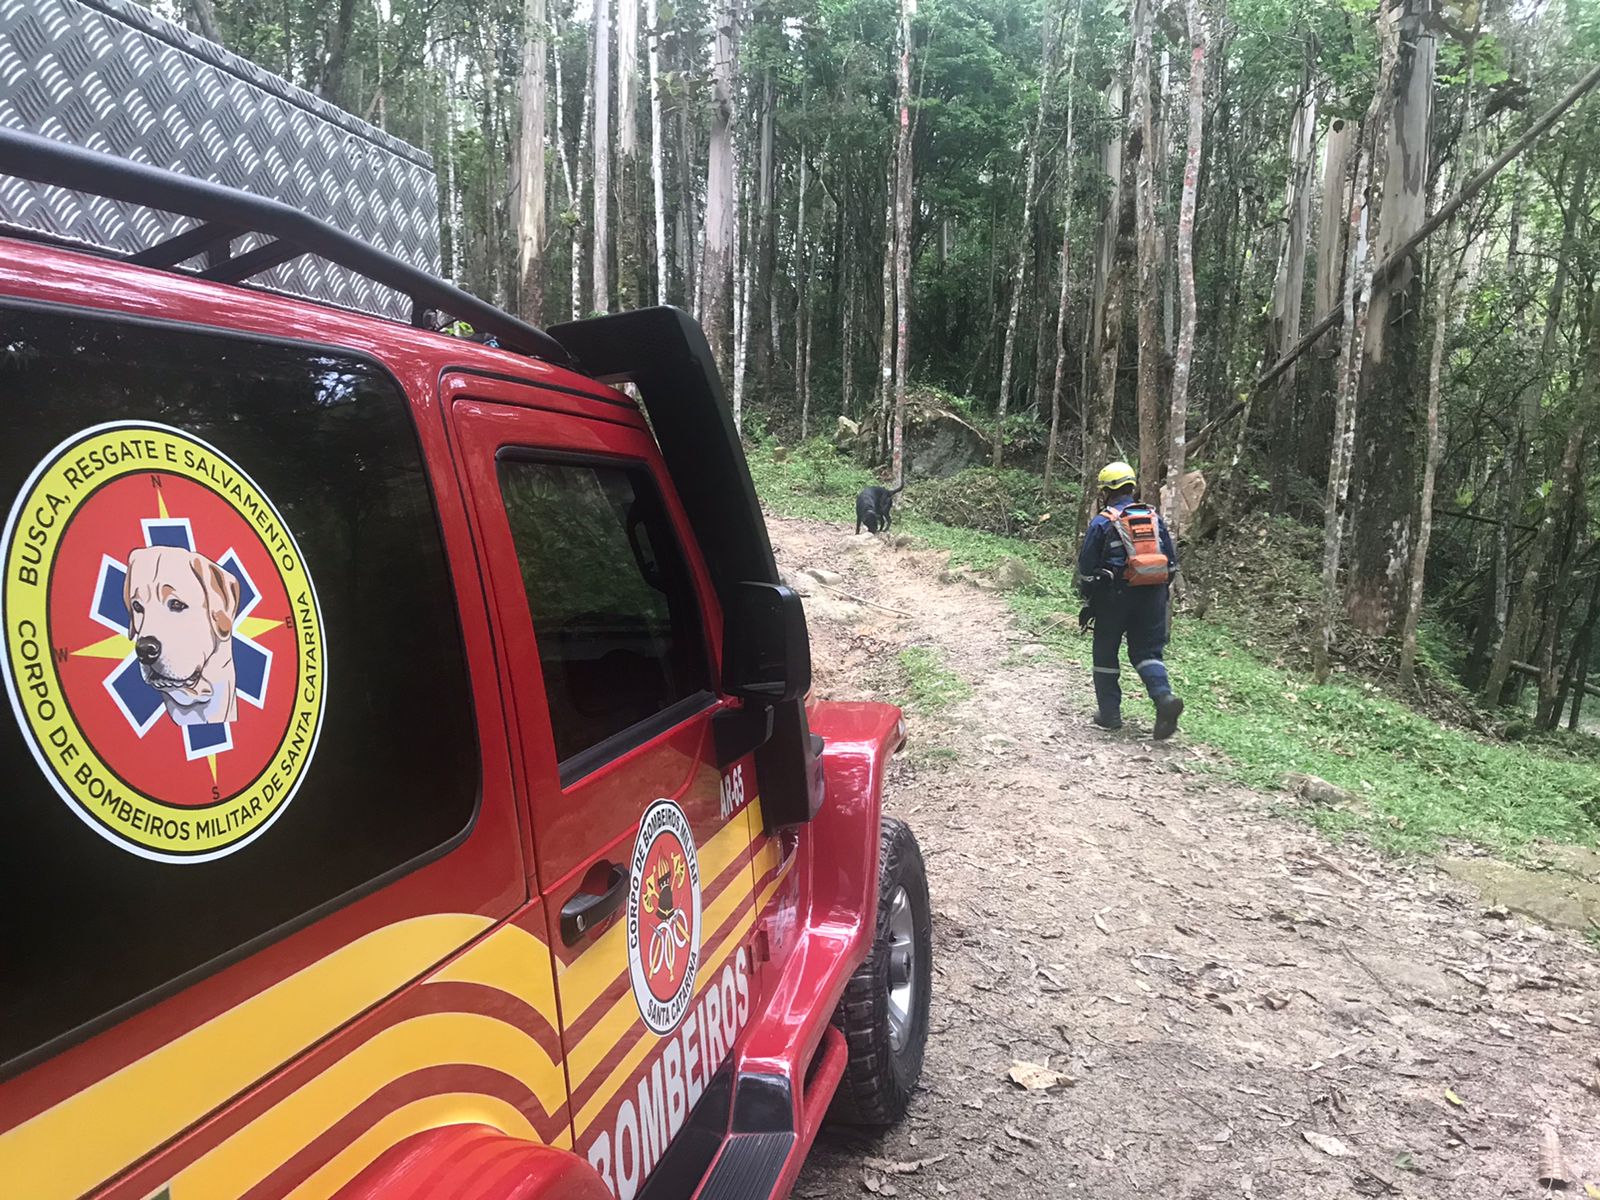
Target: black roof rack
(224, 214)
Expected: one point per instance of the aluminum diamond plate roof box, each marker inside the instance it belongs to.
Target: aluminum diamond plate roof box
(113, 77)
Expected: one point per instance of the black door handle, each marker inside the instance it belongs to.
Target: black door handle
(585, 910)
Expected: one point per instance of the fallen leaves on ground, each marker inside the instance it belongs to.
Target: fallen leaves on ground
(1327, 1143)
(1553, 1169)
(1037, 1078)
(891, 1166)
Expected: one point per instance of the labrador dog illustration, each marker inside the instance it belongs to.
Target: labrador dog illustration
(181, 608)
(875, 508)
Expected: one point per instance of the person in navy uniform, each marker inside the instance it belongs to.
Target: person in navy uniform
(1124, 574)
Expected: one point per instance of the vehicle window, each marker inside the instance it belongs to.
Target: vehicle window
(231, 649)
(613, 605)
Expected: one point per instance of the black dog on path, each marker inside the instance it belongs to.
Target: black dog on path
(875, 508)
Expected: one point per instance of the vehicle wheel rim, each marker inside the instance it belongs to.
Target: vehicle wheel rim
(902, 970)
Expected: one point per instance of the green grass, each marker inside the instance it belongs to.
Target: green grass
(1422, 782)
(931, 686)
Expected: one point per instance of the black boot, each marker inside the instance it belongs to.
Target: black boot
(1168, 709)
(1107, 723)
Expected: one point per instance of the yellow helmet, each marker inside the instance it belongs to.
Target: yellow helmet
(1116, 475)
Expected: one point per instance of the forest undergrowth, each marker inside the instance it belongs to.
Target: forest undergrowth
(1419, 772)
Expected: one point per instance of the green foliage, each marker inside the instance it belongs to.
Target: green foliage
(931, 687)
(1421, 782)
(1006, 501)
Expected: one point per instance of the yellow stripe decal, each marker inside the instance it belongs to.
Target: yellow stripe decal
(624, 1069)
(772, 888)
(585, 980)
(454, 1108)
(155, 1098)
(432, 1040)
(512, 960)
(608, 1031)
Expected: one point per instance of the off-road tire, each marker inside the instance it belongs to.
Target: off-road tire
(878, 1079)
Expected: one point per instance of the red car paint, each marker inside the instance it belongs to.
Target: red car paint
(533, 844)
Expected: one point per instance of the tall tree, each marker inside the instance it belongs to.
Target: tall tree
(902, 245)
(1578, 420)
(601, 145)
(1178, 419)
(1149, 252)
(1024, 249)
(1288, 292)
(1360, 275)
(719, 231)
(1388, 435)
(531, 166)
(1064, 266)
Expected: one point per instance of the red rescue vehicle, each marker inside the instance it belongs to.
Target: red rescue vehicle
(413, 789)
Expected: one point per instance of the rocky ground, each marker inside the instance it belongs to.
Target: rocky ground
(1234, 1007)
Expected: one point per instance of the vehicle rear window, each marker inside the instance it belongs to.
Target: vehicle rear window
(613, 604)
(233, 661)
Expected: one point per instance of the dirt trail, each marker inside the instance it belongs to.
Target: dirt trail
(1218, 981)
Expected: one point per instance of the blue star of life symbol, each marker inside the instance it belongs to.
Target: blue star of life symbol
(140, 703)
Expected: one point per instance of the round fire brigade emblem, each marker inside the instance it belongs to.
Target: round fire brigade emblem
(664, 916)
(163, 642)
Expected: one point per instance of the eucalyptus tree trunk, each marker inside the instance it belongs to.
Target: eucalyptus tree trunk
(1149, 251)
(530, 161)
(657, 175)
(761, 246)
(1289, 288)
(902, 245)
(1430, 466)
(600, 285)
(802, 318)
(1358, 288)
(1111, 151)
(744, 223)
(886, 337)
(1332, 224)
(1097, 431)
(1554, 509)
(1388, 436)
(1024, 250)
(1064, 265)
(719, 230)
(1177, 421)
(577, 184)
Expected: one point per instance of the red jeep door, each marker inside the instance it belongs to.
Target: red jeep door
(609, 635)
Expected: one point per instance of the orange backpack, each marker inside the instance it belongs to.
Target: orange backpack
(1140, 530)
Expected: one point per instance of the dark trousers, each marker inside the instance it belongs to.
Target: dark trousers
(1140, 615)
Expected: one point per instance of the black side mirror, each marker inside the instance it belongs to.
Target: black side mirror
(766, 652)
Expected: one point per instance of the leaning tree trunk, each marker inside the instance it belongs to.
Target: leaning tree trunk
(902, 246)
(1149, 253)
(530, 162)
(716, 263)
(1555, 507)
(1183, 361)
(1024, 251)
(1388, 436)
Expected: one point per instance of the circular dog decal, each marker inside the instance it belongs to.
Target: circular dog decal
(664, 916)
(163, 644)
